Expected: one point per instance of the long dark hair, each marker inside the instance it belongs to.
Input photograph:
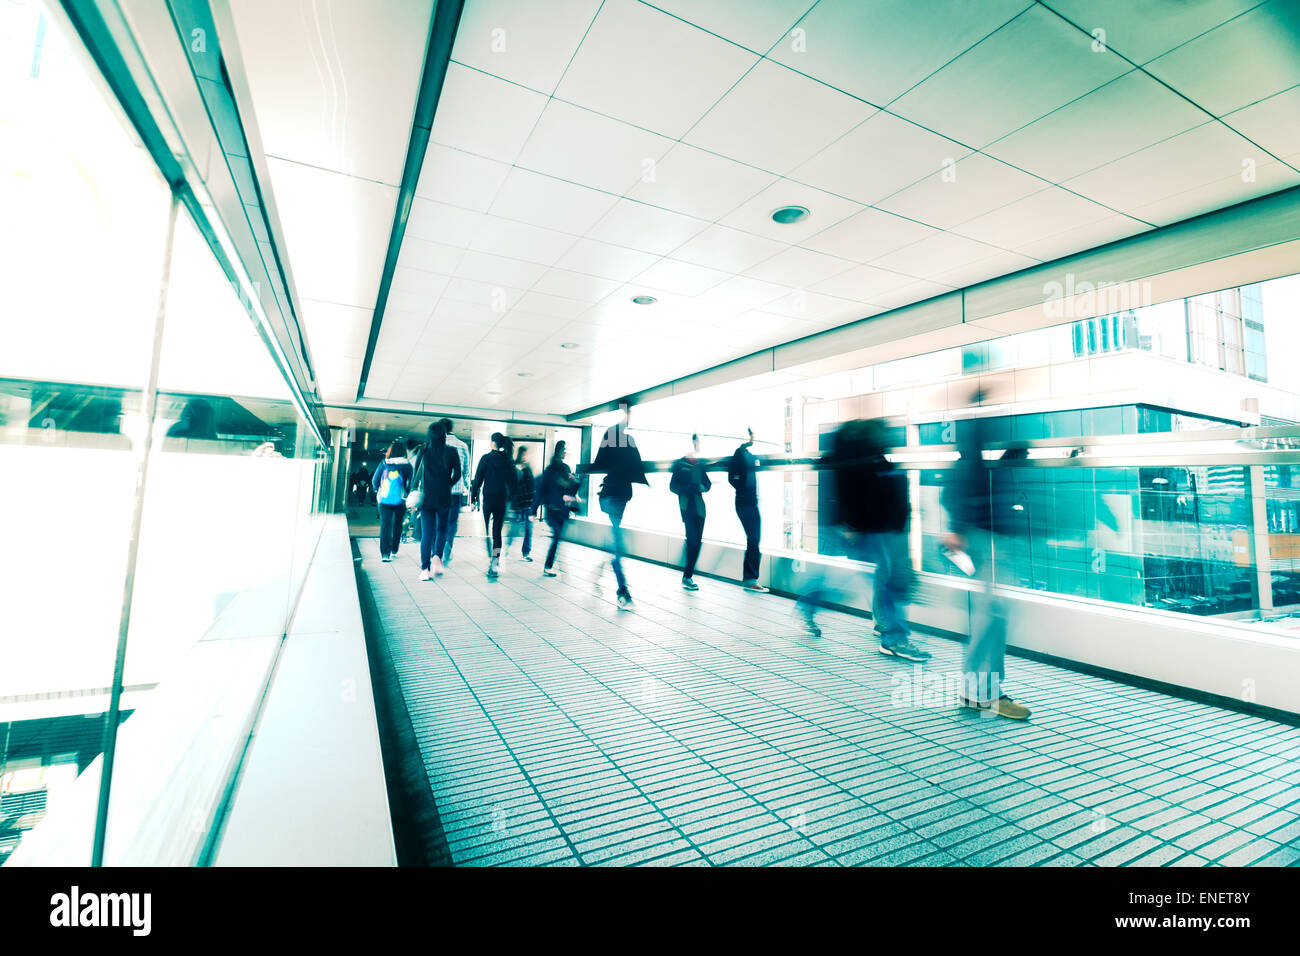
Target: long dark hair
(557, 456)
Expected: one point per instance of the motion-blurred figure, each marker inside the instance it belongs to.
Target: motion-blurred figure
(871, 515)
(742, 475)
(689, 483)
(979, 511)
(392, 482)
(459, 491)
(556, 493)
(620, 460)
(522, 504)
(437, 474)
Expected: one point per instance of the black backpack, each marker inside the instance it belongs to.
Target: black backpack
(870, 493)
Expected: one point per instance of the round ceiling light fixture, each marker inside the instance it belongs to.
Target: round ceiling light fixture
(569, 345)
(523, 374)
(788, 214)
(644, 299)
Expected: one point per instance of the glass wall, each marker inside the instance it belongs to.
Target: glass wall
(1212, 540)
(225, 496)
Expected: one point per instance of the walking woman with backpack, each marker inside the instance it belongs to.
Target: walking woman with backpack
(556, 493)
(438, 472)
(392, 481)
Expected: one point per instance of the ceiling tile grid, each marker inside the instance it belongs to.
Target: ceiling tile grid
(586, 152)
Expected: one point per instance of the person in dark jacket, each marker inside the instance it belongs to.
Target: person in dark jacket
(620, 461)
(495, 478)
(459, 491)
(689, 482)
(522, 504)
(413, 452)
(871, 513)
(741, 473)
(392, 482)
(556, 493)
(438, 471)
(978, 521)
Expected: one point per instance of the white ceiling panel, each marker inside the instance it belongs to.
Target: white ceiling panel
(728, 250)
(636, 225)
(518, 240)
(944, 249)
(338, 336)
(336, 228)
(1035, 216)
(1031, 66)
(754, 24)
(493, 297)
(574, 285)
(699, 183)
(525, 42)
(1261, 47)
(416, 282)
(334, 84)
(918, 291)
(546, 201)
(972, 187)
(1134, 111)
(1076, 238)
(604, 260)
(803, 305)
(533, 322)
(878, 158)
(621, 70)
(796, 267)
(742, 292)
(590, 149)
(552, 305)
(775, 119)
(459, 178)
(902, 52)
(1201, 156)
(484, 115)
(1143, 29)
(868, 235)
(863, 283)
(998, 264)
(681, 278)
(755, 215)
(428, 256)
(499, 270)
(437, 222)
(1267, 177)
(1273, 123)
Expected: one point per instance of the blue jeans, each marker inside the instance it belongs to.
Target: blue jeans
(984, 662)
(453, 521)
(888, 552)
(433, 534)
(524, 519)
(614, 507)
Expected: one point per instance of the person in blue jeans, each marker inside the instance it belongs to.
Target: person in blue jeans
(620, 460)
(522, 504)
(438, 471)
(868, 497)
(557, 495)
(459, 491)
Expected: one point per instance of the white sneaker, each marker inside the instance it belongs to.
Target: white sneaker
(425, 576)
(437, 566)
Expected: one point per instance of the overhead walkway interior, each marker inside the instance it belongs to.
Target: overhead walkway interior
(707, 729)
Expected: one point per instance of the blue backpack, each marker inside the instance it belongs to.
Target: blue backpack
(391, 491)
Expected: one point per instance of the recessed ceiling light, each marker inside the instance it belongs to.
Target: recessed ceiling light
(788, 214)
(569, 345)
(523, 374)
(644, 299)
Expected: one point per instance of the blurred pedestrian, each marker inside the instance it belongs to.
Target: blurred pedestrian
(557, 495)
(689, 483)
(392, 481)
(522, 505)
(979, 512)
(620, 460)
(742, 475)
(871, 514)
(459, 491)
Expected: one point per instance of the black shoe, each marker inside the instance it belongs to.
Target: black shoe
(907, 650)
(689, 584)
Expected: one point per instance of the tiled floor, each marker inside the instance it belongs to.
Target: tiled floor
(705, 728)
